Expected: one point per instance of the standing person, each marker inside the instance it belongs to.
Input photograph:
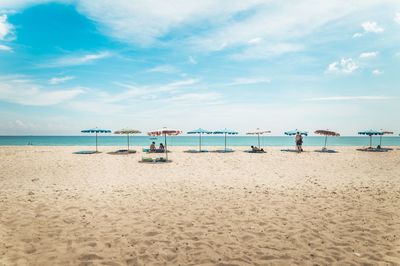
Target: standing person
(299, 142)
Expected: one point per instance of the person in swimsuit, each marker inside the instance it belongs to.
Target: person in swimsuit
(299, 142)
(153, 147)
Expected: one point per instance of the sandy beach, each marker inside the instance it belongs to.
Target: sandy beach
(60, 208)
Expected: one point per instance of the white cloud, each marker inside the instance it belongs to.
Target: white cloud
(192, 60)
(255, 40)
(25, 92)
(397, 17)
(349, 98)
(77, 60)
(372, 26)
(5, 48)
(266, 51)
(166, 69)
(5, 27)
(369, 55)
(357, 35)
(197, 97)
(397, 54)
(248, 81)
(345, 65)
(377, 72)
(59, 80)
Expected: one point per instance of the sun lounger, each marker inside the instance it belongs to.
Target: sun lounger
(225, 150)
(86, 152)
(370, 149)
(156, 151)
(326, 151)
(156, 160)
(119, 152)
(253, 151)
(195, 151)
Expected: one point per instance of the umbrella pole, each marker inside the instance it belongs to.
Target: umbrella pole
(326, 140)
(225, 141)
(166, 150)
(128, 142)
(200, 142)
(380, 142)
(259, 147)
(370, 141)
(96, 141)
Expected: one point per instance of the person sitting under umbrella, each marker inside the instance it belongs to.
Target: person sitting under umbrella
(161, 148)
(153, 147)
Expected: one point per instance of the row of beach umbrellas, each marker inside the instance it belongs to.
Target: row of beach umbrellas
(173, 132)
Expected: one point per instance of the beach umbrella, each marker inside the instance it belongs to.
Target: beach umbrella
(370, 133)
(327, 133)
(96, 131)
(258, 132)
(127, 132)
(165, 131)
(199, 131)
(384, 133)
(294, 132)
(225, 132)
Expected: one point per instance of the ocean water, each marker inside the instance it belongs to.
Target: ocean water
(191, 141)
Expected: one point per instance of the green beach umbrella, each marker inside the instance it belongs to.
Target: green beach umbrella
(225, 132)
(370, 133)
(199, 131)
(96, 131)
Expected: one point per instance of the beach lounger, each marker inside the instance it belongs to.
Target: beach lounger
(147, 150)
(121, 152)
(195, 151)
(255, 151)
(86, 152)
(370, 149)
(326, 151)
(224, 151)
(156, 160)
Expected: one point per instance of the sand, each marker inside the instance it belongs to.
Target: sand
(59, 208)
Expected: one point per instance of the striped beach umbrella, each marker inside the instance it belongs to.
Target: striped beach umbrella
(165, 132)
(258, 132)
(384, 133)
(370, 133)
(327, 133)
(201, 132)
(225, 132)
(96, 131)
(127, 132)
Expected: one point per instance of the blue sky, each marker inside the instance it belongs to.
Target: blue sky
(276, 65)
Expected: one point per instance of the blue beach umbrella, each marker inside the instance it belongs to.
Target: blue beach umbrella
(225, 132)
(97, 131)
(294, 132)
(199, 131)
(370, 133)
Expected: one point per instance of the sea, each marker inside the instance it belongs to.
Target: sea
(194, 141)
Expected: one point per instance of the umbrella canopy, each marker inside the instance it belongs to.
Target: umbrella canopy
(127, 132)
(225, 132)
(370, 133)
(384, 133)
(199, 131)
(294, 132)
(165, 131)
(326, 133)
(96, 131)
(258, 132)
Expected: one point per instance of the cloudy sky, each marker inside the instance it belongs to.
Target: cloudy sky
(278, 65)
